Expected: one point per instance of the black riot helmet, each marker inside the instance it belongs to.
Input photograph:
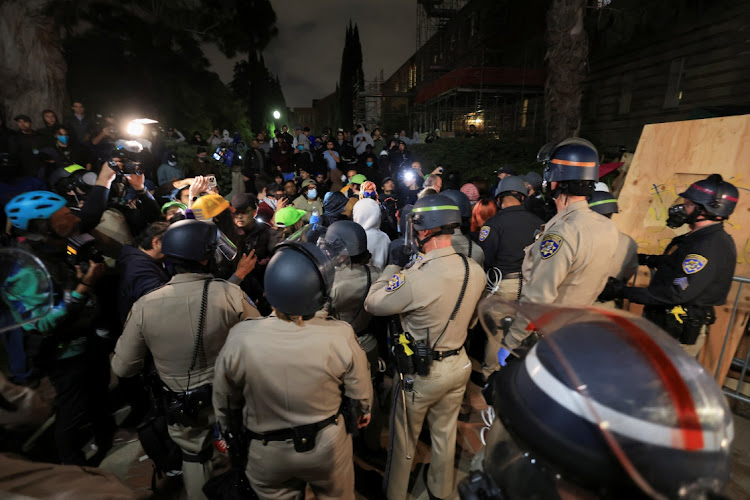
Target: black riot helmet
(298, 278)
(512, 185)
(460, 200)
(603, 202)
(195, 240)
(351, 234)
(717, 197)
(569, 418)
(435, 211)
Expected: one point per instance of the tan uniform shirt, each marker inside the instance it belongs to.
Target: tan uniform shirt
(348, 296)
(285, 375)
(569, 263)
(425, 294)
(626, 258)
(463, 244)
(165, 322)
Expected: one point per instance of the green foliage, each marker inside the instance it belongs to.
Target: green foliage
(258, 90)
(477, 157)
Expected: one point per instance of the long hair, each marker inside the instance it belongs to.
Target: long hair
(482, 211)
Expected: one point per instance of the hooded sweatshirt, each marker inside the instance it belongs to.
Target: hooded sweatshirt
(366, 213)
(334, 204)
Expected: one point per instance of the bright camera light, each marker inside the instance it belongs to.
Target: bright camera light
(276, 115)
(135, 128)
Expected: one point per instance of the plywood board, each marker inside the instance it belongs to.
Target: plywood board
(669, 157)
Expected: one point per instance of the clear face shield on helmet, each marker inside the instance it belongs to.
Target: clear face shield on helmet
(333, 247)
(411, 240)
(224, 246)
(604, 402)
(26, 289)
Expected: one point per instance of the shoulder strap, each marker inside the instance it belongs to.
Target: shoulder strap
(367, 289)
(471, 245)
(198, 346)
(458, 302)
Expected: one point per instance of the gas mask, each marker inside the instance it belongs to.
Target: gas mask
(678, 216)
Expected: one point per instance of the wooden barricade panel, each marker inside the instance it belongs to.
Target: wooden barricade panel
(669, 157)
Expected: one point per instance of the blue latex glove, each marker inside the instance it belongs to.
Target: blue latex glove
(502, 356)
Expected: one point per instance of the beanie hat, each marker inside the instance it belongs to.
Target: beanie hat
(471, 191)
(209, 206)
(288, 216)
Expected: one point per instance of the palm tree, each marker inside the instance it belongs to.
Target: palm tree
(32, 66)
(567, 65)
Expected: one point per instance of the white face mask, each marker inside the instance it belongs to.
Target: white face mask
(171, 163)
(312, 194)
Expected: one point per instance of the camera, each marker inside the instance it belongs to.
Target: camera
(422, 357)
(80, 250)
(128, 152)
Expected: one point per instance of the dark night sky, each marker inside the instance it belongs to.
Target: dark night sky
(306, 54)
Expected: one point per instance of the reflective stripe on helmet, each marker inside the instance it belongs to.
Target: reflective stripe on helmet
(432, 209)
(574, 163)
(705, 190)
(602, 202)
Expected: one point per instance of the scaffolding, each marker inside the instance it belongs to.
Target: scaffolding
(368, 104)
(432, 15)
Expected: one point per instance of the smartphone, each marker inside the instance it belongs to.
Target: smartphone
(211, 181)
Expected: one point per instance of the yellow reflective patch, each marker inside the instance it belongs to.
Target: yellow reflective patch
(395, 282)
(550, 244)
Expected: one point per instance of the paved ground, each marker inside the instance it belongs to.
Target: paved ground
(128, 461)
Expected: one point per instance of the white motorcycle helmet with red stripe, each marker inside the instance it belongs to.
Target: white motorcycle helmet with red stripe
(604, 405)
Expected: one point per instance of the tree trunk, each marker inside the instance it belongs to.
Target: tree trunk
(567, 65)
(32, 66)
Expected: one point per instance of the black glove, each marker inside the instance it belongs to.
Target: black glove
(615, 289)
(647, 260)
(399, 255)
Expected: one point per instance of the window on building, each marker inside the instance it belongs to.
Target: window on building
(673, 95)
(626, 93)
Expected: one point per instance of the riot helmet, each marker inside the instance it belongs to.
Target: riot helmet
(298, 278)
(435, 211)
(195, 240)
(572, 418)
(714, 197)
(460, 200)
(32, 205)
(351, 234)
(573, 159)
(603, 202)
(68, 179)
(512, 185)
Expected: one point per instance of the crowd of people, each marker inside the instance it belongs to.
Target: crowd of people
(333, 270)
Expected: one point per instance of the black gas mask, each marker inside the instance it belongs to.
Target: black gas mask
(678, 216)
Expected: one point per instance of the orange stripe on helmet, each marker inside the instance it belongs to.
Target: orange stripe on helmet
(574, 163)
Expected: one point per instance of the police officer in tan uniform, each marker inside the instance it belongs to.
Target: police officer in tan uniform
(435, 297)
(625, 264)
(461, 241)
(572, 257)
(184, 324)
(284, 374)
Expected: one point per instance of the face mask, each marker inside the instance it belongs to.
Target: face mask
(63, 139)
(201, 159)
(344, 179)
(678, 216)
(171, 163)
(312, 194)
(301, 147)
(369, 164)
(368, 194)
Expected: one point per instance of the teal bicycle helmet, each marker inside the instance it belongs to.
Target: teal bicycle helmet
(32, 205)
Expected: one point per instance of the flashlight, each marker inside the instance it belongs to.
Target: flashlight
(409, 176)
(134, 128)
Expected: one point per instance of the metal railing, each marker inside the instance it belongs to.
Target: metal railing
(737, 363)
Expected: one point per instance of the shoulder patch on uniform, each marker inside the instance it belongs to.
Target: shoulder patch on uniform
(693, 263)
(484, 232)
(395, 282)
(550, 245)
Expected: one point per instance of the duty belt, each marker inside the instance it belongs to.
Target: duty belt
(441, 355)
(284, 434)
(512, 276)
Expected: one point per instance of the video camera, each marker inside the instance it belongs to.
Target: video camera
(80, 250)
(129, 154)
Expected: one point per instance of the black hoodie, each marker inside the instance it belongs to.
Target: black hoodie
(139, 275)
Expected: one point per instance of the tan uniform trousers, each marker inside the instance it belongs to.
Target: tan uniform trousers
(276, 471)
(192, 440)
(438, 397)
(509, 291)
